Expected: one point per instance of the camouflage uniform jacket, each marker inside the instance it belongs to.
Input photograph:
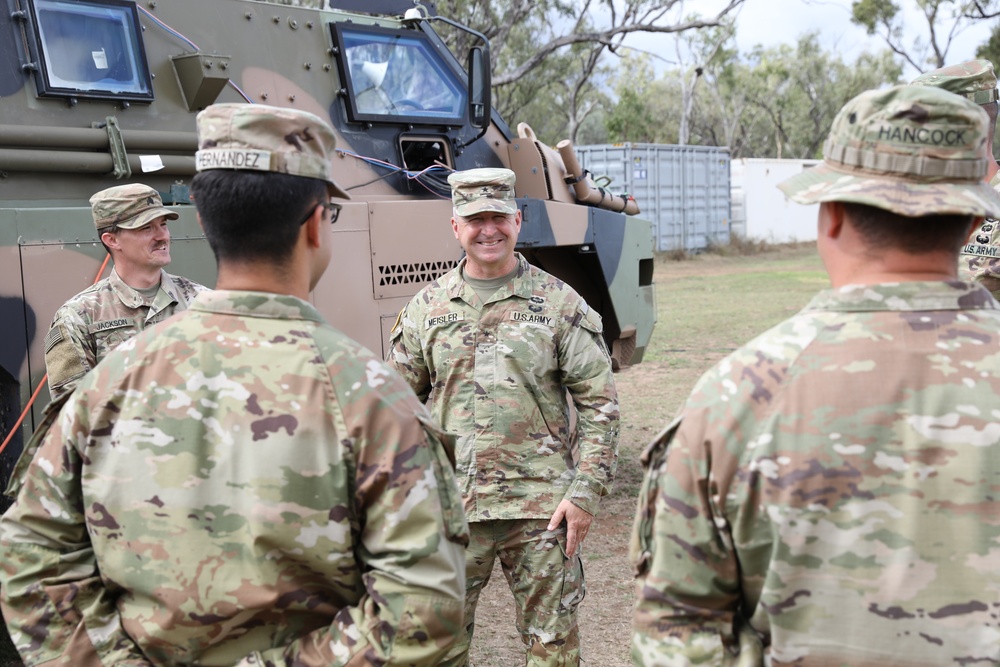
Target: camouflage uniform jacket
(496, 375)
(100, 318)
(980, 258)
(241, 482)
(832, 485)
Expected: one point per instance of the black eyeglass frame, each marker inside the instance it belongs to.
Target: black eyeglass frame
(333, 207)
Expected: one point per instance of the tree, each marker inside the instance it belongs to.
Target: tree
(773, 102)
(556, 48)
(945, 20)
(632, 117)
(991, 49)
(704, 45)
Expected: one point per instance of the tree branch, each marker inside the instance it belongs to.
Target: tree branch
(634, 24)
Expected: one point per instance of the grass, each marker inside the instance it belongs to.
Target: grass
(707, 305)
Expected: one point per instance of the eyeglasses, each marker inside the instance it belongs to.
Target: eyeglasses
(332, 207)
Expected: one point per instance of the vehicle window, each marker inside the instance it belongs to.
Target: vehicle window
(93, 47)
(392, 74)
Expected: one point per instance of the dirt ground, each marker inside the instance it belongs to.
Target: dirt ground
(749, 294)
(650, 393)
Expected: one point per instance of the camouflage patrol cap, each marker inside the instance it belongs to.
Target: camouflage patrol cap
(912, 150)
(973, 79)
(477, 190)
(128, 206)
(257, 137)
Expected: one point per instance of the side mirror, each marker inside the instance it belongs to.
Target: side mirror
(480, 109)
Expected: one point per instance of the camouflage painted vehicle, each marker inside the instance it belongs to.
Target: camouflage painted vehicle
(99, 92)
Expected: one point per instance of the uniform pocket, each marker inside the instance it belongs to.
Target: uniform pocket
(574, 583)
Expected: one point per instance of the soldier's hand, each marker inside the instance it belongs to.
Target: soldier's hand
(577, 524)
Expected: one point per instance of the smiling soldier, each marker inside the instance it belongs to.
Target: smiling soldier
(494, 347)
(132, 224)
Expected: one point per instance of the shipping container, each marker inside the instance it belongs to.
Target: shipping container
(682, 190)
(760, 210)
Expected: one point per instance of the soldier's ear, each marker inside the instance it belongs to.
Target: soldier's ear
(313, 227)
(832, 218)
(109, 239)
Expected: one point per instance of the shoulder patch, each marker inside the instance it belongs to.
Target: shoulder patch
(590, 319)
(395, 325)
(54, 336)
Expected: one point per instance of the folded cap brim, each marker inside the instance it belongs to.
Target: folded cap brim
(147, 217)
(824, 183)
(506, 206)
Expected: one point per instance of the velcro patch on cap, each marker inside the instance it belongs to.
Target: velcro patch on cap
(233, 158)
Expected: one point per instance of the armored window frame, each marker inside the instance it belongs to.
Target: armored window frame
(347, 36)
(116, 22)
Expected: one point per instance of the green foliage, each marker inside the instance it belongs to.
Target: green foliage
(771, 102)
(991, 49)
(924, 47)
(871, 13)
(633, 118)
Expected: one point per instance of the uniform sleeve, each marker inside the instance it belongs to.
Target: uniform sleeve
(687, 585)
(695, 581)
(406, 354)
(68, 354)
(587, 375)
(55, 602)
(412, 539)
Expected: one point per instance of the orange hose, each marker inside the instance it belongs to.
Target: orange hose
(31, 401)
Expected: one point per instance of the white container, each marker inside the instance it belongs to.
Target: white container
(760, 210)
(683, 191)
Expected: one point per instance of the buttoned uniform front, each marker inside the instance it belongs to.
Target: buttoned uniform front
(496, 375)
(829, 494)
(103, 316)
(282, 498)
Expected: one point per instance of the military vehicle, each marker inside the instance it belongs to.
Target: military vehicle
(95, 93)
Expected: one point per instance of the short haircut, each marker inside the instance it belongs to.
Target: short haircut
(254, 216)
(882, 229)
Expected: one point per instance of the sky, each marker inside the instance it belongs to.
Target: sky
(773, 22)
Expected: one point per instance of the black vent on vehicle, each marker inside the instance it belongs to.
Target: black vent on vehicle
(422, 272)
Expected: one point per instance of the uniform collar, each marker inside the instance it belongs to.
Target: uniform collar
(256, 304)
(519, 285)
(908, 296)
(131, 297)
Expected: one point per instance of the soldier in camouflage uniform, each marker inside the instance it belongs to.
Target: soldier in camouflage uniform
(826, 496)
(132, 224)
(242, 484)
(975, 80)
(493, 346)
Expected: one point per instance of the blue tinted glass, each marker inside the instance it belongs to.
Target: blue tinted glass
(401, 75)
(91, 47)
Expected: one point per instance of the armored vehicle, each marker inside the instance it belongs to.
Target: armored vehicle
(95, 93)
